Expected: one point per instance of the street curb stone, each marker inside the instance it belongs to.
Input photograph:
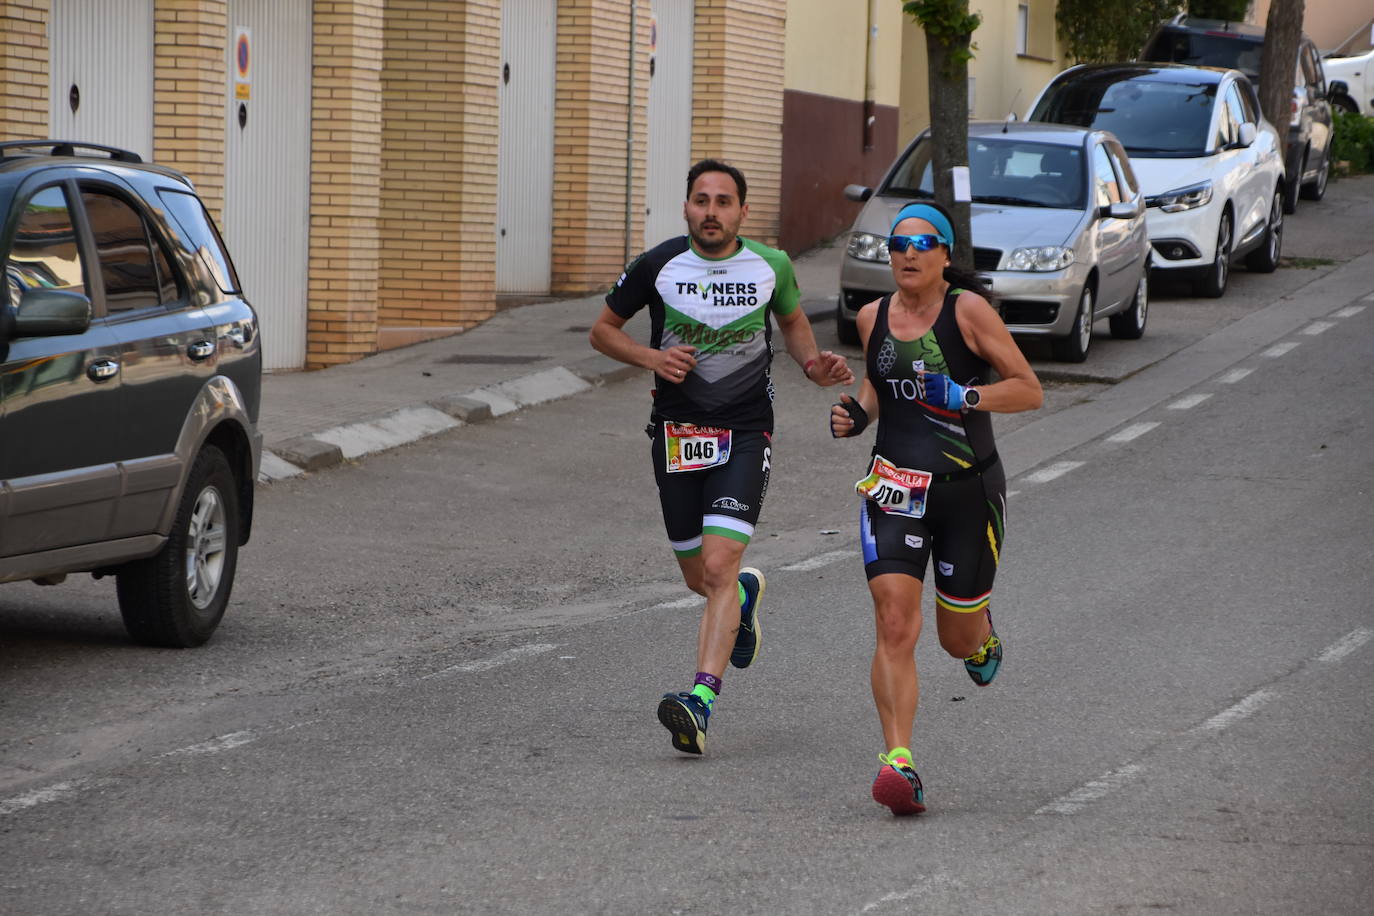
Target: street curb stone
(308, 453)
(462, 407)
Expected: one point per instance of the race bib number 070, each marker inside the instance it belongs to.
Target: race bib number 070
(695, 448)
(899, 491)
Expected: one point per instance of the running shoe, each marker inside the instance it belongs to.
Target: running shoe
(747, 640)
(685, 715)
(982, 665)
(898, 787)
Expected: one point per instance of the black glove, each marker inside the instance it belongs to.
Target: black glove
(856, 413)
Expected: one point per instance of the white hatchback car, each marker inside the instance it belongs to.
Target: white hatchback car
(1209, 163)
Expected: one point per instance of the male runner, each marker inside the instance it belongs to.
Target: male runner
(709, 295)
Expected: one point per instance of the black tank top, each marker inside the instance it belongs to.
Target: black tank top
(915, 435)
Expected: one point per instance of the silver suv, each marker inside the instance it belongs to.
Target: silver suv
(130, 376)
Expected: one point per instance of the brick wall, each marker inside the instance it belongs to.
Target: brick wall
(438, 174)
(345, 179)
(737, 101)
(23, 69)
(590, 128)
(189, 86)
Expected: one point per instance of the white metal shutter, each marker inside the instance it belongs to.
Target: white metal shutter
(670, 121)
(525, 168)
(103, 48)
(267, 171)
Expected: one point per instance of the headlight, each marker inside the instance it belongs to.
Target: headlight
(1189, 198)
(868, 247)
(1047, 257)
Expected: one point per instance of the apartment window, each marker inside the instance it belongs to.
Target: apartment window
(1022, 28)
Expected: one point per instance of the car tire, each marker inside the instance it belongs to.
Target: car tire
(176, 597)
(1316, 188)
(846, 329)
(1265, 258)
(1073, 348)
(1212, 283)
(1130, 324)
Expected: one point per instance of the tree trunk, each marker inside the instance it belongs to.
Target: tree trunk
(949, 135)
(1278, 63)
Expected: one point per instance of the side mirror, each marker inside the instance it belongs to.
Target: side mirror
(1247, 134)
(857, 192)
(1337, 89)
(1126, 209)
(50, 312)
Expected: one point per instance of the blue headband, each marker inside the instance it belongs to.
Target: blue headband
(930, 215)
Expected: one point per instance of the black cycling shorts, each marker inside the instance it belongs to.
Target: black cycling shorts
(723, 500)
(962, 528)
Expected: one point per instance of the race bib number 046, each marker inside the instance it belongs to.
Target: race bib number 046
(899, 491)
(695, 448)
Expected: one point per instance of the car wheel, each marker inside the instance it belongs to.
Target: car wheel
(1130, 324)
(1265, 259)
(1073, 348)
(1213, 282)
(177, 596)
(846, 329)
(1316, 189)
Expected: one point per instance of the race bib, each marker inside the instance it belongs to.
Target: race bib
(900, 491)
(695, 448)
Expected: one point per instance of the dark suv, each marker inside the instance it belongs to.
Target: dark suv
(130, 375)
(1212, 43)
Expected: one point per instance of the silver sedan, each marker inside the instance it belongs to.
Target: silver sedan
(1058, 223)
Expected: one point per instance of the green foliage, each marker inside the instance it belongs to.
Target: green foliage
(1225, 10)
(948, 22)
(1098, 31)
(1353, 140)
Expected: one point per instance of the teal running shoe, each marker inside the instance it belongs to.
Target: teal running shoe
(747, 640)
(898, 787)
(982, 665)
(685, 715)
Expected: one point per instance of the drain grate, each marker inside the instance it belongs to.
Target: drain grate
(491, 359)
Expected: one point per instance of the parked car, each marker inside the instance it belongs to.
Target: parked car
(1352, 82)
(1058, 226)
(1212, 43)
(1208, 162)
(130, 376)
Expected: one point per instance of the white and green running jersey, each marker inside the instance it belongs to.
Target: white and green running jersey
(721, 308)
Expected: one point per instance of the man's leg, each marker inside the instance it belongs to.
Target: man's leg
(720, 561)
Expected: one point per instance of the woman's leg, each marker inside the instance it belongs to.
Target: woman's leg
(896, 688)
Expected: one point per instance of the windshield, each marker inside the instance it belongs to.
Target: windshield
(1002, 171)
(1149, 117)
(1202, 50)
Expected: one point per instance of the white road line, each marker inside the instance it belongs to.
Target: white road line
(924, 886)
(1046, 474)
(1190, 401)
(1241, 710)
(1134, 431)
(42, 796)
(215, 745)
(496, 661)
(1278, 350)
(1091, 791)
(1235, 375)
(677, 603)
(1369, 298)
(1350, 311)
(1345, 645)
(824, 559)
(1317, 327)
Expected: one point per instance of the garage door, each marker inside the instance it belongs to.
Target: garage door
(100, 82)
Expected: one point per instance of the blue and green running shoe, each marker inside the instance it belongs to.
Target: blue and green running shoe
(898, 787)
(685, 715)
(982, 665)
(747, 640)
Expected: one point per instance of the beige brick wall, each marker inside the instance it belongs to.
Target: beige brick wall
(438, 173)
(23, 69)
(737, 99)
(189, 86)
(590, 126)
(345, 178)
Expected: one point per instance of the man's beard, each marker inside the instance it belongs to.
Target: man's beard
(712, 247)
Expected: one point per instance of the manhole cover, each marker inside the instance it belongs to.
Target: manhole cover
(491, 359)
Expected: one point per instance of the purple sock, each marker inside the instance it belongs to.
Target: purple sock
(708, 680)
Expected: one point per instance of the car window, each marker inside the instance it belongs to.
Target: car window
(1203, 50)
(1010, 171)
(1312, 67)
(45, 253)
(198, 233)
(1149, 117)
(1246, 90)
(134, 267)
(1124, 170)
(1106, 190)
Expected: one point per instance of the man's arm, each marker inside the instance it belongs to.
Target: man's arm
(821, 366)
(608, 336)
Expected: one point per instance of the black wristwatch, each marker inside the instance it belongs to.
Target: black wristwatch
(971, 398)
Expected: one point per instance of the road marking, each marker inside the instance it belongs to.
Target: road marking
(1345, 645)
(1278, 350)
(1350, 311)
(1046, 474)
(1091, 791)
(824, 559)
(689, 601)
(496, 661)
(1189, 402)
(1135, 431)
(215, 745)
(924, 886)
(42, 796)
(1241, 710)
(1317, 327)
(1369, 298)
(1234, 376)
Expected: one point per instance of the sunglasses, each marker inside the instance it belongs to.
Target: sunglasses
(900, 243)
